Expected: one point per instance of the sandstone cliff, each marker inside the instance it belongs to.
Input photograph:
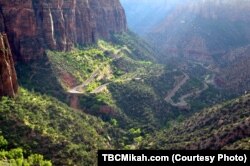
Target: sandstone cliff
(8, 78)
(36, 25)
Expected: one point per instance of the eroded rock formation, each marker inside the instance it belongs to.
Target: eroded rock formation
(36, 25)
(8, 78)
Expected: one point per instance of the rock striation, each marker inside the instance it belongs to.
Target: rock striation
(8, 78)
(36, 25)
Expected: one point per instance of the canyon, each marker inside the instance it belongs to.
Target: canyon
(75, 79)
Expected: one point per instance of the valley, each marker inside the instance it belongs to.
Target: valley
(179, 98)
(78, 76)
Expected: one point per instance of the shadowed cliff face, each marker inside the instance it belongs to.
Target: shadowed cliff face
(8, 79)
(36, 25)
(201, 30)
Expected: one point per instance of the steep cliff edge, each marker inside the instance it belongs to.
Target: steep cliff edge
(33, 26)
(8, 79)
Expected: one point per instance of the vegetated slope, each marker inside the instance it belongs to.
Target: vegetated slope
(224, 126)
(38, 76)
(211, 32)
(200, 91)
(119, 81)
(16, 156)
(9, 87)
(43, 125)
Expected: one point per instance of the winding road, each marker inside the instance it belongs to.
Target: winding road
(182, 100)
(172, 93)
(80, 88)
(100, 88)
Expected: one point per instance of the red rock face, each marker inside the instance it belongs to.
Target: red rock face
(33, 26)
(8, 78)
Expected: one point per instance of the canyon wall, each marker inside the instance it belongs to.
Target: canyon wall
(8, 78)
(36, 25)
(202, 30)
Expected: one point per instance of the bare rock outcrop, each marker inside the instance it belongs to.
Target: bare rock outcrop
(8, 78)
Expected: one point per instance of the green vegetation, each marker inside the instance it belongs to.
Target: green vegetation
(191, 85)
(243, 144)
(38, 76)
(210, 97)
(119, 81)
(106, 61)
(43, 125)
(80, 64)
(217, 127)
(15, 157)
(118, 93)
(139, 49)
